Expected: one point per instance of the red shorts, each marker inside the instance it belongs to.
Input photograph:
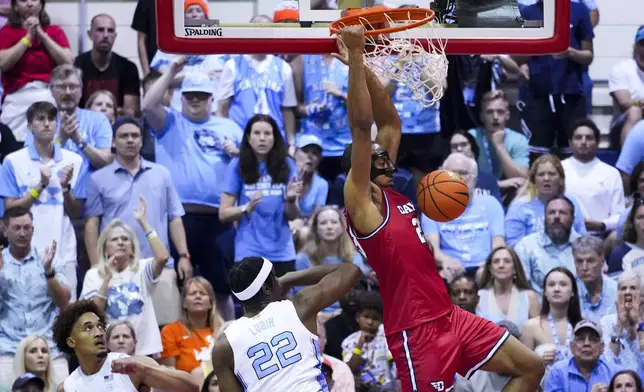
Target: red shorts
(429, 356)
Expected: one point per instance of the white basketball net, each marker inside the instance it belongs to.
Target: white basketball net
(400, 57)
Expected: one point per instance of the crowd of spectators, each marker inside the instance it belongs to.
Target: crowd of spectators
(141, 191)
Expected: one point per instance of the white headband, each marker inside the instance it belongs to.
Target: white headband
(257, 284)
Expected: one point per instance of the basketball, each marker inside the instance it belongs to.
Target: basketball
(442, 195)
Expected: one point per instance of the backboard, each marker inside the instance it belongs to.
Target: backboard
(468, 27)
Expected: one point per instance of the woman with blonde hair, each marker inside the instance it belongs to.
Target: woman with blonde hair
(527, 212)
(103, 101)
(328, 243)
(122, 283)
(188, 343)
(32, 356)
(506, 293)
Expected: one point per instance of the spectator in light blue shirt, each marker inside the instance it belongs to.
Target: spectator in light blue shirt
(597, 292)
(586, 370)
(85, 132)
(31, 291)
(263, 183)
(526, 213)
(623, 327)
(196, 147)
(315, 189)
(632, 153)
(503, 152)
(542, 251)
(466, 241)
(323, 107)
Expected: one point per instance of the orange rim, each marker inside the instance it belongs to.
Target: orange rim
(377, 16)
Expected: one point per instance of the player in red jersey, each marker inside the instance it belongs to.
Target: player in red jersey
(431, 339)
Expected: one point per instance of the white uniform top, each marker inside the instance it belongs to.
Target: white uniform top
(103, 381)
(275, 352)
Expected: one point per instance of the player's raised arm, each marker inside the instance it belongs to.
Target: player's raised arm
(385, 114)
(360, 116)
(223, 363)
(327, 284)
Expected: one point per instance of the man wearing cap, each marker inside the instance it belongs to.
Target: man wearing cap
(587, 370)
(28, 382)
(315, 188)
(114, 192)
(210, 65)
(627, 89)
(196, 147)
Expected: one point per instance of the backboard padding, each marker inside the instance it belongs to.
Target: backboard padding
(294, 39)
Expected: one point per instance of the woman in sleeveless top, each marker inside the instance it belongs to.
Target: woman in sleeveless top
(506, 293)
(550, 333)
(188, 343)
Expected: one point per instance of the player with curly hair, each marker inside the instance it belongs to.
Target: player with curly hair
(80, 329)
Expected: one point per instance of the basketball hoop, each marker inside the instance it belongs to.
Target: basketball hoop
(391, 53)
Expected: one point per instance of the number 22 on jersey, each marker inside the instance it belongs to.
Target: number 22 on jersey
(270, 357)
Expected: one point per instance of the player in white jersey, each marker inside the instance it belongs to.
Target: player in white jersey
(80, 329)
(275, 346)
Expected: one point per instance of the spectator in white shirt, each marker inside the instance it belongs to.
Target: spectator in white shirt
(626, 86)
(595, 185)
(122, 284)
(44, 178)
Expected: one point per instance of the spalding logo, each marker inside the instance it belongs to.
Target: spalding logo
(454, 175)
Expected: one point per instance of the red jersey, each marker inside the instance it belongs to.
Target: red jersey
(412, 291)
(36, 64)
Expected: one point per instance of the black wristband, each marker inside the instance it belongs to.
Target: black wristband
(51, 274)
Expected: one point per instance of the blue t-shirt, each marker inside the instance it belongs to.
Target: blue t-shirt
(265, 231)
(526, 217)
(193, 154)
(486, 184)
(632, 150)
(468, 238)
(515, 143)
(550, 76)
(315, 197)
(330, 122)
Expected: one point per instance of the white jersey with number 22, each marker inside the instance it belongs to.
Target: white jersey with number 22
(275, 352)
